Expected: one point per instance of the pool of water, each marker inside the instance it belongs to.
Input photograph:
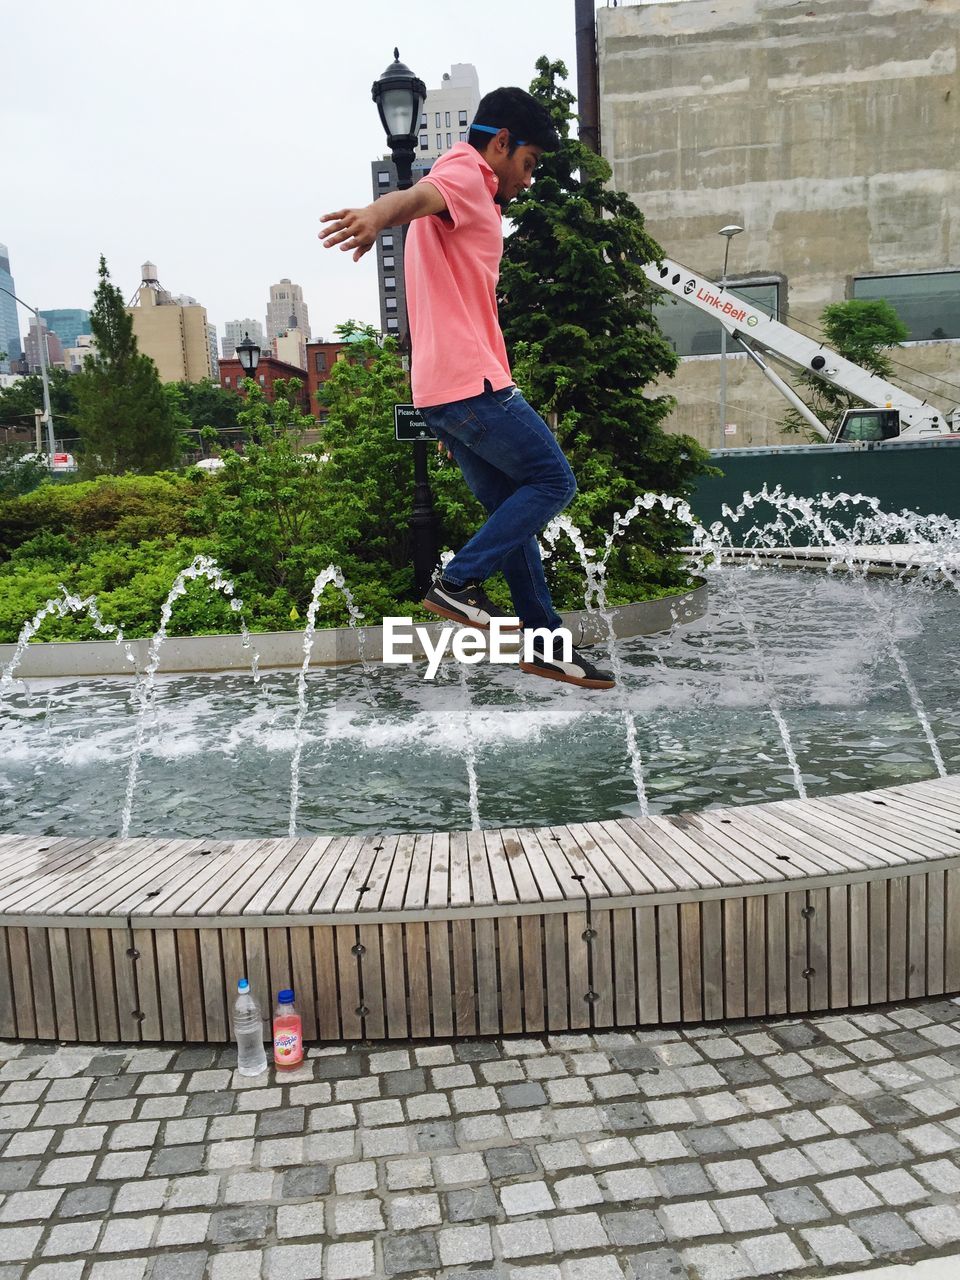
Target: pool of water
(387, 751)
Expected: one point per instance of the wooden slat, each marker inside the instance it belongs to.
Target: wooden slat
(721, 863)
(148, 995)
(460, 890)
(668, 944)
(64, 1004)
(374, 994)
(438, 884)
(712, 958)
(877, 900)
(418, 879)
(838, 929)
(214, 985)
(40, 978)
(646, 875)
(315, 877)
(22, 985)
(304, 982)
(734, 984)
(641, 979)
(798, 995)
(235, 968)
(602, 1011)
(330, 997)
(952, 919)
(395, 979)
(441, 977)
(288, 876)
(348, 980)
(168, 982)
(508, 948)
(917, 936)
(859, 896)
(504, 889)
(8, 1015)
(83, 992)
(481, 883)
(464, 977)
(615, 872)
(488, 980)
(258, 974)
(415, 947)
(936, 933)
(691, 962)
(555, 954)
(818, 948)
(534, 994)
(191, 987)
(549, 888)
(776, 932)
(897, 935)
(756, 955)
(578, 969)
(389, 874)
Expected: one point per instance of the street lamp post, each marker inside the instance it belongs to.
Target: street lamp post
(248, 353)
(728, 232)
(399, 96)
(42, 343)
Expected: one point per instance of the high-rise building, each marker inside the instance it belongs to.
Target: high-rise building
(10, 348)
(67, 324)
(286, 299)
(74, 357)
(214, 355)
(36, 334)
(234, 332)
(446, 116)
(171, 331)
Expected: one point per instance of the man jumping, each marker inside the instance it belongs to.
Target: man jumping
(461, 377)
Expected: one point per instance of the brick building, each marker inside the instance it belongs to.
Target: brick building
(321, 357)
(268, 371)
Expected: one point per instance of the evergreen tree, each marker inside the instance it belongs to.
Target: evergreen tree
(576, 315)
(862, 331)
(124, 420)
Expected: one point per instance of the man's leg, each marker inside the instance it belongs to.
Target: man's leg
(515, 467)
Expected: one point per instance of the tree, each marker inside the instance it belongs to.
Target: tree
(862, 331)
(18, 401)
(576, 314)
(20, 471)
(124, 420)
(204, 405)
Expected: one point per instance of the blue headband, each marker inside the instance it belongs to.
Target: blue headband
(489, 128)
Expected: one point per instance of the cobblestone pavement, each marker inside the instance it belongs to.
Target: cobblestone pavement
(801, 1147)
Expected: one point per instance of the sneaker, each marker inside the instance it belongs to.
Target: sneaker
(579, 671)
(469, 605)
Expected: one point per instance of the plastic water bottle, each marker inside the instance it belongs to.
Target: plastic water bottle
(248, 1029)
(287, 1033)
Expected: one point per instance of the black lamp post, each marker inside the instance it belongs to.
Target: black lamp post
(399, 96)
(248, 353)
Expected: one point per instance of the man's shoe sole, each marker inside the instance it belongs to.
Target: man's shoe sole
(550, 674)
(460, 617)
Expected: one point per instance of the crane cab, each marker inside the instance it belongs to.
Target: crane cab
(873, 425)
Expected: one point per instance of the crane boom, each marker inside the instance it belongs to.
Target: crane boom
(759, 335)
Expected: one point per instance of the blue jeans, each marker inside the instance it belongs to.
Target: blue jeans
(517, 471)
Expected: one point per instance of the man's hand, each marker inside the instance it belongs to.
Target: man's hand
(355, 229)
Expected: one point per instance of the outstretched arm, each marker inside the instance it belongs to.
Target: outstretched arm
(358, 229)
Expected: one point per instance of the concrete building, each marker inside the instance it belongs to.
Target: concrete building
(234, 331)
(447, 112)
(73, 357)
(31, 346)
(67, 324)
(10, 348)
(172, 331)
(291, 347)
(830, 133)
(214, 353)
(286, 299)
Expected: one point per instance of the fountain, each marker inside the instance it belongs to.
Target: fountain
(762, 817)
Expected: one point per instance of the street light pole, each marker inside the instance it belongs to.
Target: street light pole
(399, 96)
(728, 232)
(42, 341)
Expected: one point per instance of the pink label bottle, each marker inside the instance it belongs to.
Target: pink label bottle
(287, 1033)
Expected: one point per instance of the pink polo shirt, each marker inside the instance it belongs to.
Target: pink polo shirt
(451, 269)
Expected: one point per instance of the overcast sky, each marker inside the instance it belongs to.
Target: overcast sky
(208, 137)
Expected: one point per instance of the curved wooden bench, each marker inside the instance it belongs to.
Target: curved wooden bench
(774, 908)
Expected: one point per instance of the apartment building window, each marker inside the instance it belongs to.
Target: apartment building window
(439, 142)
(437, 120)
(393, 324)
(463, 118)
(389, 282)
(320, 361)
(928, 302)
(463, 135)
(226, 380)
(387, 241)
(423, 120)
(391, 304)
(692, 333)
(446, 119)
(263, 380)
(449, 140)
(383, 178)
(387, 261)
(424, 142)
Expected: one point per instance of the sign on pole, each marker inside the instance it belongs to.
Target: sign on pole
(408, 424)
